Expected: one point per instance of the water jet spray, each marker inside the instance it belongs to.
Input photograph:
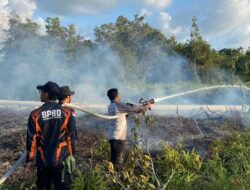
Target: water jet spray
(142, 101)
(200, 90)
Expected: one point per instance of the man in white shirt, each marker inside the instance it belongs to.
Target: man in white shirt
(118, 127)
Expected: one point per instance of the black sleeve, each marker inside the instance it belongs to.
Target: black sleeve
(31, 140)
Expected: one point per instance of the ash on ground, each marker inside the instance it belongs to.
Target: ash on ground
(154, 130)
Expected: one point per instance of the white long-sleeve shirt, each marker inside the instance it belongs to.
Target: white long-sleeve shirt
(118, 127)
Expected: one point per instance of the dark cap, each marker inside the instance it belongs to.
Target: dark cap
(65, 91)
(50, 87)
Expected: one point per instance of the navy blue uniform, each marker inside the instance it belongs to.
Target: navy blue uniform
(51, 137)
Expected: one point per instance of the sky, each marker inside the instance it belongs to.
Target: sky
(223, 23)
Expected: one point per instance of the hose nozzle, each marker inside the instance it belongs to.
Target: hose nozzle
(145, 102)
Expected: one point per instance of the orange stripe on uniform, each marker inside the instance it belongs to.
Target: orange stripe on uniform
(33, 148)
(67, 115)
(68, 140)
(63, 133)
(69, 145)
(59, 149)
(42, 154)
(34, 117)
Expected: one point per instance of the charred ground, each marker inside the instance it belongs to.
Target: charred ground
(191, 132)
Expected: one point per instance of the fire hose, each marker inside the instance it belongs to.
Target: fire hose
(107, 117)
(21, 159)
(142, 101)
(14, 167)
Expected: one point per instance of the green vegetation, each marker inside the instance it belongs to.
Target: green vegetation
(143, 52)
(141, 48)
(227, 166)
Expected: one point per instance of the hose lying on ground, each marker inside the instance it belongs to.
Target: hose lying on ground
(18, 163)
(22, 157)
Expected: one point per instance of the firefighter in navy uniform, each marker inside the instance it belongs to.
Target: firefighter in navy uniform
(51, 138)
(66, 97)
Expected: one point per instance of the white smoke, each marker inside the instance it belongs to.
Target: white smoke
(4, 19)
(11, 8)
(33, 59)
(23, 8)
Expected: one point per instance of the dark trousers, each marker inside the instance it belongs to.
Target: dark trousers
(48, 175)
(117, 153)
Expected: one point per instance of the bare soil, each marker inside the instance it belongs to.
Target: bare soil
(191, 132)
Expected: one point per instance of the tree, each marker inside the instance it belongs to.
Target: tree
(195, 32)
(243, 67)
(21, 36)
(200, 54)
(228, 59)
(139, 45)
(54, 28)
(67, 37)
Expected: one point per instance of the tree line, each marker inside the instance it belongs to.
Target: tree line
(141, 48)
